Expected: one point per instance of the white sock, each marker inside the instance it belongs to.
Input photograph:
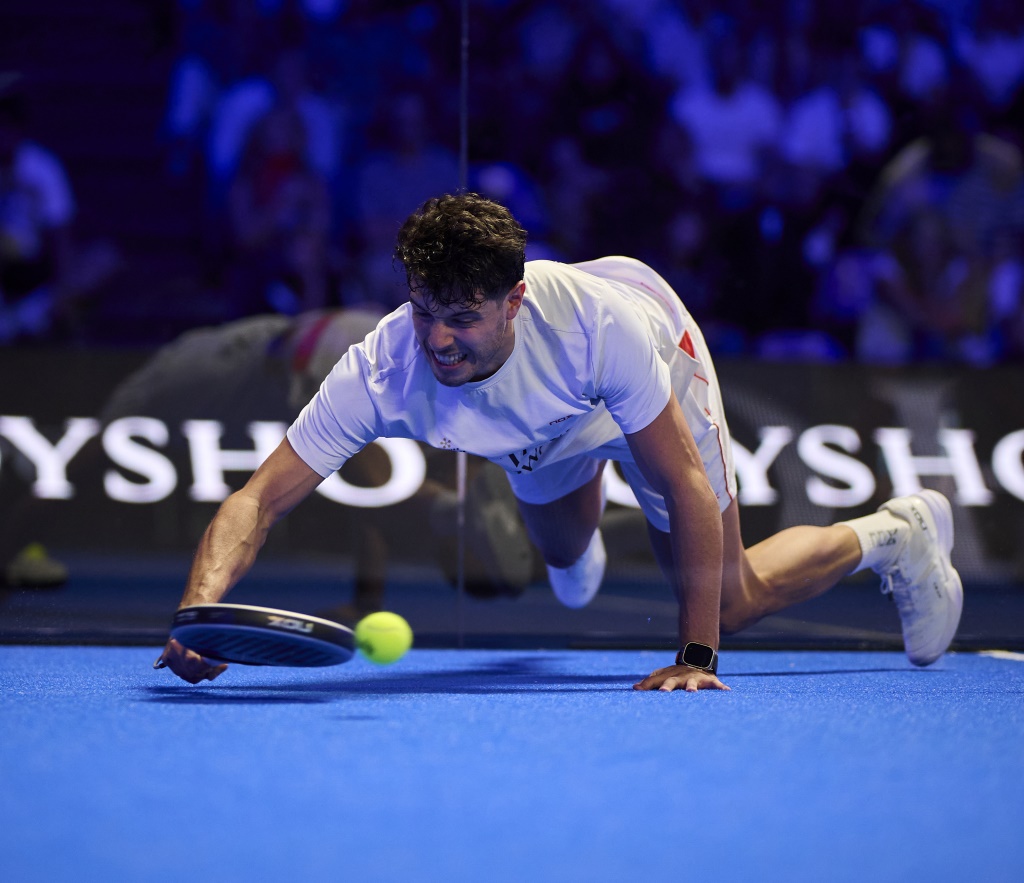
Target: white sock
(576, 585)
(881, 537)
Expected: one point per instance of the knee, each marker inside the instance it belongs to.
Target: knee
(739, 609)
(561, 547)
(559, 558)
(735, 618)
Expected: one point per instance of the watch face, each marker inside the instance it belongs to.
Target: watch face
(698, 655)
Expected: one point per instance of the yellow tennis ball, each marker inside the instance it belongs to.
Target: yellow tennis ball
(383, 637)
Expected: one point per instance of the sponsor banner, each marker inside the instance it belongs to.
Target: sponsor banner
(99, 452)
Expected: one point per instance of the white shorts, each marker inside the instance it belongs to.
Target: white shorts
(701, 401)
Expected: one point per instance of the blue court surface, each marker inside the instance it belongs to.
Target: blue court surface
(488, 765)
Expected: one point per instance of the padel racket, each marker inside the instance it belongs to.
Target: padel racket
(262, 636)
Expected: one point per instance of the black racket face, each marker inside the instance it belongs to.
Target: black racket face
(262, 635)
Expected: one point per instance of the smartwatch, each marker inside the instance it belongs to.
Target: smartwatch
(699, 656)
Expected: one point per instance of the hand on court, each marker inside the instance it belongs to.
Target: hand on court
(188, 665)
(680, 677)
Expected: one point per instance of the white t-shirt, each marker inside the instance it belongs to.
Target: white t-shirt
(594, 358)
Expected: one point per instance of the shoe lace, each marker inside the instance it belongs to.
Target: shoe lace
(890, 580)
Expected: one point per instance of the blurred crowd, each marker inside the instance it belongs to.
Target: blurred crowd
(818, 181)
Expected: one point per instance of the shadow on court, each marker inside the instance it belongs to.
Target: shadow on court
(845, 671)
(516, 675)
(187, 694)
(426, 684)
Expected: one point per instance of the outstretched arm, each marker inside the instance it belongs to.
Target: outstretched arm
(232, 541)
(667, 455)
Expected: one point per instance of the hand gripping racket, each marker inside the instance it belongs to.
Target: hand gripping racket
(262, 635)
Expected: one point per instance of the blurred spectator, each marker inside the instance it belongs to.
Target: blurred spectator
(1007, 303)
(834, 130)
(408, 167)
(674, 44)
(612, 109)
(834, 122)
(512, 114)
(939, 292)
(993, 50)
(925, 52)
(689, 264)
(512, 187)
(734, 128)
(574, 188)
(847, 304)
(934, 277)
(245, 102)
(1006, 284)
(280, 214)
(210, 43)
(611, 125)
(734, 125)
(36, 210)
(44, 278)
(955, 169)
(224, 45)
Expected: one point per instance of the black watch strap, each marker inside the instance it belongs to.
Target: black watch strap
(697, 655)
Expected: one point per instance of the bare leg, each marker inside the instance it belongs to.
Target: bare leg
(562, 530)
(794, 565)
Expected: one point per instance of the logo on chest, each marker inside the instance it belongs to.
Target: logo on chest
(526, 460)
(529, 459)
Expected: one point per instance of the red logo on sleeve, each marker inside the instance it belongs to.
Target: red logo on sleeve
(686, 345)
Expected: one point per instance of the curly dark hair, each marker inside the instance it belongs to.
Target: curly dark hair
(461, 249)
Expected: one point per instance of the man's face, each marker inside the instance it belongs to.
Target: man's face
(464, 342)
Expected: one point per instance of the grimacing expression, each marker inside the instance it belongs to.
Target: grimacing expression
(466, 342)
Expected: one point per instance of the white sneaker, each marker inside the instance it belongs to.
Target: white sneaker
(922, 580)
(575, 586)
